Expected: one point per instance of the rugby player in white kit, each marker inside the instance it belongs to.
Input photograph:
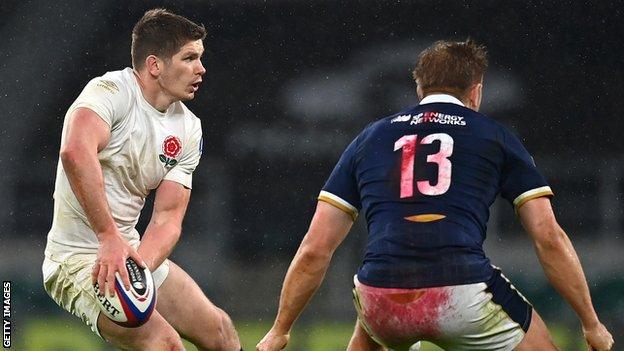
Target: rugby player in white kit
(126, 134)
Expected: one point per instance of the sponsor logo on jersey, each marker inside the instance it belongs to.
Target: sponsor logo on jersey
(430, 117)
(401, 118)
(437, 117)
(108, 85)
(171, 149)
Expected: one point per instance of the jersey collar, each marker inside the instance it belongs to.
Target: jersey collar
(429, 99)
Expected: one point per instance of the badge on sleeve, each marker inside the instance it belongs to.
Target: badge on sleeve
(171, 149)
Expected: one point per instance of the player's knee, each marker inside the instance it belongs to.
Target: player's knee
(171, 342)
(167, 341)
(222, 337)
(231, 336)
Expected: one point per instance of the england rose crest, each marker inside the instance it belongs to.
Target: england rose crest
(171, 149)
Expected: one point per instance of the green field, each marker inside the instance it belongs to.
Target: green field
(67, 334)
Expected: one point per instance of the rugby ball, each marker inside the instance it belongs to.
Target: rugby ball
(130, 308)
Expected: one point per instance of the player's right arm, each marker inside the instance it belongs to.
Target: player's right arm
(563, 268)
(335, 213)
(86, 135)
(328, 228)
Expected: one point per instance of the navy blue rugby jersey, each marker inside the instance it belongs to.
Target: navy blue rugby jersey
(425, 179)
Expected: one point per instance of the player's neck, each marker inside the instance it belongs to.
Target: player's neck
(153, 92)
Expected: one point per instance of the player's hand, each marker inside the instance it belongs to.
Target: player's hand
(598, 338)
(273, 341)
(111, 258)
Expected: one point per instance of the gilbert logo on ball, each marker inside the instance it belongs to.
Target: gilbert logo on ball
(130, 308)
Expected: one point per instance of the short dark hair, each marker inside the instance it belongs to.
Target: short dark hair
(162, 33)
(451, 67)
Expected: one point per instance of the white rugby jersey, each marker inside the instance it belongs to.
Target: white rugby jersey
(145, 147)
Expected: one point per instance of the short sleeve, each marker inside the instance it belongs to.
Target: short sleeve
(182, 172)
(341, 188)
(521, 180)
(106, 98)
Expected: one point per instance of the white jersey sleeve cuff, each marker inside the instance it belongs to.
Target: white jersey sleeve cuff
(338, 203)
(178, 176)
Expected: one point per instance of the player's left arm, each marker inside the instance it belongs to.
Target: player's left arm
(171, 201)
(165, 226)
(563, 267)
(328, 229)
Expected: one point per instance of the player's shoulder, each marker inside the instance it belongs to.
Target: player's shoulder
(109, 95)
(498, 125)
(370, 129)
(403, 115)
(382, 124)
(489, 120)
(487, 124)
(190, 119)
(114, 86)
(115, 82)
(496, 130)
(386, 121)
(181, 109)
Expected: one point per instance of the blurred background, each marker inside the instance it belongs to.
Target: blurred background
(288, 85)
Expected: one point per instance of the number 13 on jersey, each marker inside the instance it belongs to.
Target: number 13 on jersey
(408, 144)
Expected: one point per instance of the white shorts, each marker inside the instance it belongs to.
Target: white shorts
(68, 282)
(485, 316)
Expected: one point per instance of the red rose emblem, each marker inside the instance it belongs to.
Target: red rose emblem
(172, 146)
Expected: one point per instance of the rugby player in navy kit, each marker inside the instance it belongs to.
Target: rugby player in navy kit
(424, 179)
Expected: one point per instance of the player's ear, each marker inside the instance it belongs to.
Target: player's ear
(153, 65)
(419, 91)
(474, 96)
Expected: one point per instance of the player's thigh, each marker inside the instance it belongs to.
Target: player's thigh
(537, 337)
(156, 334)
(68, 282)
(184, 305)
